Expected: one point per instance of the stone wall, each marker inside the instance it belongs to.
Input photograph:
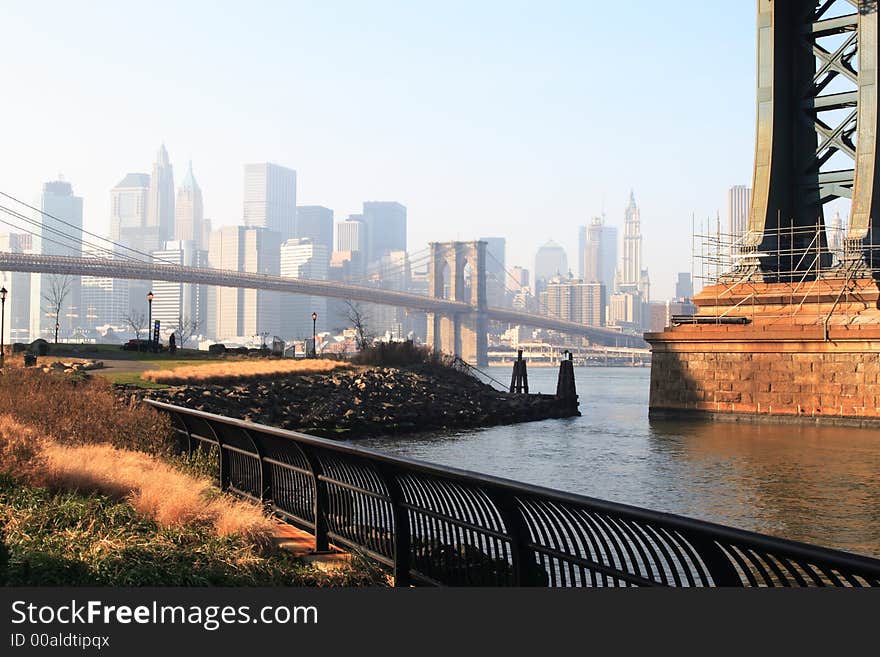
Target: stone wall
(767, 371)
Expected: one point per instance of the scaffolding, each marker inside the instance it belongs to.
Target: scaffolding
(791, 271)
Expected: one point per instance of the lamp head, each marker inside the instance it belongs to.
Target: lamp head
(3, 294)
(150, 295)
(314, 316)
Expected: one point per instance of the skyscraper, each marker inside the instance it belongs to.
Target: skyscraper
(385, 222)
(174, 303)
(684, 286)
(351, 234)
(128, 213)
(160, 206)
(315, 222)
(496, 273)
(189, 215)
(303, 258)
(61, 212)
(106, 300)
(270, 198)
(631, 274)
(16, 328)
(739, 199)
(550, 261)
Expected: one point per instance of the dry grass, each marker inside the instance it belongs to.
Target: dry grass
(241, 370)
(153, 488)
(75, 411)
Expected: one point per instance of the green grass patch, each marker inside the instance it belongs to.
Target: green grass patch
(70, 539)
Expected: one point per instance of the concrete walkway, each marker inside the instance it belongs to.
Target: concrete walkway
(301, 544)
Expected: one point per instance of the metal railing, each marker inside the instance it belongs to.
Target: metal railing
(442, 526)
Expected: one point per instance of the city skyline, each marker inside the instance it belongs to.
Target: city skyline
(446, 129)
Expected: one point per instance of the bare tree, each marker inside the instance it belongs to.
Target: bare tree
(137, 322)
(360, 320)
(186, 328)
(54, 297)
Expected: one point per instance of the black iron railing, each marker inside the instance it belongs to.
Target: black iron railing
(438, 525)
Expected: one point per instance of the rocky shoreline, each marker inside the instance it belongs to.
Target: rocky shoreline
(364, 403)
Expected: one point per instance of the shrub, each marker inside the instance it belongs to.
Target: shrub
(82, 411)
(401, 354)
(217, 349)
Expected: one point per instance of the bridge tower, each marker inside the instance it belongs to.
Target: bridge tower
(787, 330)
(817, 133)
(457, 271)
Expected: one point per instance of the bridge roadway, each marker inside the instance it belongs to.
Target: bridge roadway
(110, 268)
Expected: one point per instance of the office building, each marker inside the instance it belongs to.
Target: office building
(315, 223)
(303, 258)
(160, 205)
(351, 234)
(550, 261)
(189, 215)
(739, 202)
(575, 300)
(177, 305)
(270, 198)
(106, 300)
(385, 223)
(56, 296)
(16, 327)
(684, 286)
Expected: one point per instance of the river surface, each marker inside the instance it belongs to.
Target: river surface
(818, 484)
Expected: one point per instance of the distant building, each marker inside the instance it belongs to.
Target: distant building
(240, 313)
(270, 198)
(175, 304)
(739, 200)
(575, 300)
(351, 234)
(189, 214)
(496, 272)
(598, 253)
(385, 228)
(16, 327)
(550, 261)
(128, 213)
(658, 317)
(61, 212)
(160, 205)
(519, 279)
(315, 223)
(303, 258)
(105, 300)
(625, 310)
(835, 232)
(684, 286)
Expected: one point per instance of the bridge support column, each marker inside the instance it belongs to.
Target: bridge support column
(457, 271)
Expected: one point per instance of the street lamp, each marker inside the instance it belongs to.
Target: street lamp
(3, 294)
(150, 318)
(314, 335)
(57, 326)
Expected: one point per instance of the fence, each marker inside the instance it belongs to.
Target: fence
(441, 526)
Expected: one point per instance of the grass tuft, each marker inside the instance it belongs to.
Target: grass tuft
(240, 370)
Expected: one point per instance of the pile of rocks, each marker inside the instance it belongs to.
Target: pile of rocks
(72, 366)
(365, 402)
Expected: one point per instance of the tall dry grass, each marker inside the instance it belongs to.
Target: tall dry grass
(79, 412)
(152, 487)
(241, 370)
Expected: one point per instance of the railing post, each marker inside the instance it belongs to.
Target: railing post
(321, 501)
(402, 530)
(525, 568)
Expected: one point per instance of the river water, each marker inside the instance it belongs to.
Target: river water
(818, 484)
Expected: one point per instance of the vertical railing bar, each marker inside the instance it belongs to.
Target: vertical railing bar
(319, 500)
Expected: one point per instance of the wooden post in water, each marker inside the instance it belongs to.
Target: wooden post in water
(519, 378)
(566, 390)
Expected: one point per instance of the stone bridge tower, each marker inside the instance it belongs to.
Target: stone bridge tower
(457, 272)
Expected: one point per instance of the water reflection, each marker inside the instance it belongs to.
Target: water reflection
(815, 484)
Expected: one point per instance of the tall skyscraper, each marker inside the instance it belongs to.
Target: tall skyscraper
(739, 200)
(237, 313)
(16, 328)
(270, 198)
(684, 286)
(128, 213)
(175, 304)
(351, 234)
(105, 300)
(550, 261)
(303, 258)
(631, 274)
(160, 206)
(386, 228)
(315, 222)
(58, 204)
(189, 214)
(496, 271)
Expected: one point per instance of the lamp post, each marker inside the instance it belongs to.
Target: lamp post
(3, 294)
(314, 335)
(57, 326)
(150, 318)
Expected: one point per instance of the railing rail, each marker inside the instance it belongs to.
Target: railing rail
(437, 525)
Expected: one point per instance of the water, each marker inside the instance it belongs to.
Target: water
(809, 483)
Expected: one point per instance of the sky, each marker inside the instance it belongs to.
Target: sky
(517, 119)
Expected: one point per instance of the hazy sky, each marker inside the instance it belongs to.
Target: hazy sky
(521, 119)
